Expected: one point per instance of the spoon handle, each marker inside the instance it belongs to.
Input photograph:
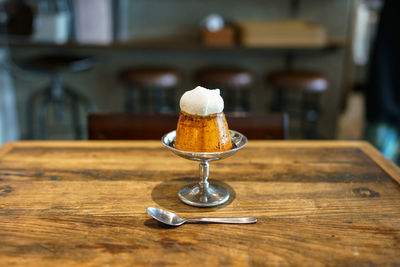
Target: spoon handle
(223, 220)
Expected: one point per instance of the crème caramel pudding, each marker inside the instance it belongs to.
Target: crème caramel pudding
(202, 125)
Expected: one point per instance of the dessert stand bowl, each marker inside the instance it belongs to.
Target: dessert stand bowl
(204, 194)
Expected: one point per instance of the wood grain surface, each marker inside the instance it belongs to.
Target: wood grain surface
(83, 204)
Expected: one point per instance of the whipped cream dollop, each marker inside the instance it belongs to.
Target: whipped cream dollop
(202, 101)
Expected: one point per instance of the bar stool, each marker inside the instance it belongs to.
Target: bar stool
(309, 85)
(57, 95)
(150, 89)
(234, 84)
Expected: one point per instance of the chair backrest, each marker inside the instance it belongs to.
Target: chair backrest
(126, 126)
(260, 125)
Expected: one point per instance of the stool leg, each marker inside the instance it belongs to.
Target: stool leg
(161, 100)
(57, 96)
(130, 99)
(158, 100)
(76, 100)
(30, 113)
(229, 97)
(42, 117)
(75, 118)
(310, 110)
(80, 98)
(280, 101)
(244, 100)
(170, 100)
(236, 103)
(144, 102)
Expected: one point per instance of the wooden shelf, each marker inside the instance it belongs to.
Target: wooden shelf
(333, 43)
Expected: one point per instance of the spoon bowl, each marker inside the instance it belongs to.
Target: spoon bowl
(165, 216)
(172, 219)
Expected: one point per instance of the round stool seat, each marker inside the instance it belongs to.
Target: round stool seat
(237, 78)
(150, 77)
(234, 83)
(298, 80)
(58, 63)
(150, 89)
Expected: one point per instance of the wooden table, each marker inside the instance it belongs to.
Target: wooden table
(83, 203)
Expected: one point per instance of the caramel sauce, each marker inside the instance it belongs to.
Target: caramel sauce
(202, 133)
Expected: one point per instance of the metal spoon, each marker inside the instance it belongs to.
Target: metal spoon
(172, 219)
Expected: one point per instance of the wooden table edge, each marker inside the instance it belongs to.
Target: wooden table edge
(387, 165)
(6, 148)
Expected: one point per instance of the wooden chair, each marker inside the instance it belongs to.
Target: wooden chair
(125, 126)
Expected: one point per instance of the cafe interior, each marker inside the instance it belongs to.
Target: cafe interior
(116, 69)
(114, 152)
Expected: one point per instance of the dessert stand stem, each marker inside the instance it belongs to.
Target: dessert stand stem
(203, 184)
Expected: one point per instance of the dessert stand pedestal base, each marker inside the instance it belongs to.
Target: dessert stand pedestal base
(203, 194)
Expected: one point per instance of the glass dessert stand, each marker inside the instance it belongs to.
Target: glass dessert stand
(204, 194)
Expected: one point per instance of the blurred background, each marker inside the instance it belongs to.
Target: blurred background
(331, 65)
